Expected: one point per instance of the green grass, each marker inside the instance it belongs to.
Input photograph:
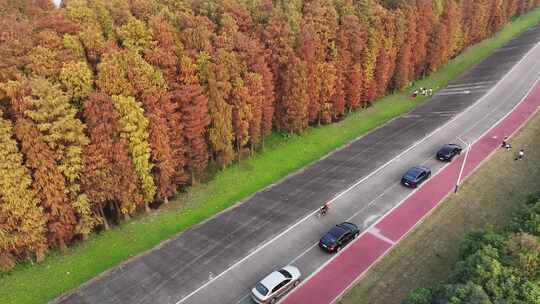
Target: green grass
(28, 284)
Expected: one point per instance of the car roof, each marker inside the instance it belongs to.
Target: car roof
(271, 280)
(337, 230)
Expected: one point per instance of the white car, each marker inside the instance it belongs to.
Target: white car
(275, 285)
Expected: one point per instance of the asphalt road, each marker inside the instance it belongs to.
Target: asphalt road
(219, 260)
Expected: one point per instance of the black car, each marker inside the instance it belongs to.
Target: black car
(415, 176)
(338, 237)
(448, 152)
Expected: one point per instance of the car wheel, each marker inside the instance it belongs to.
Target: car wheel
(356, 234)
(296, 283)
(273, 301)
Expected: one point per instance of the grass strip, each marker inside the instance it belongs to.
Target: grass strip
(283, 154)
(428, 254)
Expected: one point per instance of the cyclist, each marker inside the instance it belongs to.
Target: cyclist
(324, 208)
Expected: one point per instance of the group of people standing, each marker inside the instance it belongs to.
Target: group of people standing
(422, 91)
(505, 144)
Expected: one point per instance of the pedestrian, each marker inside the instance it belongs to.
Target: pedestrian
(508, 146)
(520, 155)
(504, 141)
(414, 93)
(422, 91)
(430, 92)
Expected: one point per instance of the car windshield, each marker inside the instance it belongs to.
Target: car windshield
(261, 289)
(285, 273)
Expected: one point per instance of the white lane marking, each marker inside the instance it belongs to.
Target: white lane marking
(472, 87)
(427, 214)
(361, 180)
(376, 232)
(369, 220)
(453, 93)
(470, 84)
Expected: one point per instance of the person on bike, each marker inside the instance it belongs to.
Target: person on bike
(324, 208)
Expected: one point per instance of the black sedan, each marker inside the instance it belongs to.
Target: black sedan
(338, 237)
(448, 152)
(415, 176)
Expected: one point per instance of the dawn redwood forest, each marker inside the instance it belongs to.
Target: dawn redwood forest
(110, 107)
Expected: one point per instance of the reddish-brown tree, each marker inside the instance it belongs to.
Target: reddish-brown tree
(308, 44)
(175, 126)
(438, 48)
(251, 51)
(497, 15)
(256, 99)
(49, 184)
(109, 178)
(193, 105)
(350, 43)
(241, 115)
(162, 152)
(294, 116)
(511, 8)
(166, 53)
(97, 179)
(405, 62)
(424, 19)
(391, 42)
(279, 40)
(15, 43)
(58, 21)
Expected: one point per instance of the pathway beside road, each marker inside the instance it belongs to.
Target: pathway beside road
(338, 274)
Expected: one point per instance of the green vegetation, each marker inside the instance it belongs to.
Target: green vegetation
(283, 155)
(430, 252)
(494, 266)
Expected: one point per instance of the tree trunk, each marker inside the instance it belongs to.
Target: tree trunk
(61, 245)
(193, 178)
(238, 151)
(146, 207)
(102, 214)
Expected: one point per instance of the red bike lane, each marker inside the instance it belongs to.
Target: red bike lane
(337, 275)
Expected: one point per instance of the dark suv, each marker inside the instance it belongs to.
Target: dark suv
(338, 237)
(448, 152)
(415, 176)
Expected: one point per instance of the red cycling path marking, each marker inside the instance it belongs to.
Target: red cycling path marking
(330, 282)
